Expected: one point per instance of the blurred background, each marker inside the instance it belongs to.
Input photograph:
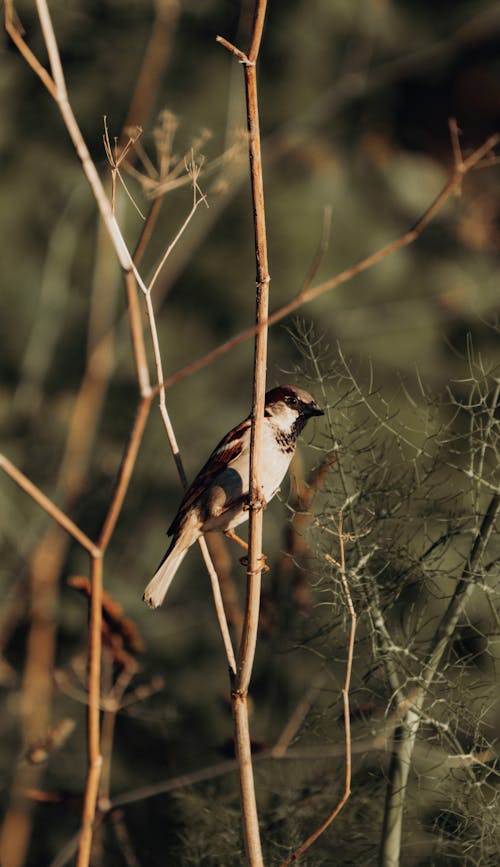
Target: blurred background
(355, 102)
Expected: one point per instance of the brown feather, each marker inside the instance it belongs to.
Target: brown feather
(224, 453)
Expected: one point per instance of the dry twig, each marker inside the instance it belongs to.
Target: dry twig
(452, 187)
(345, 700)
(246, 651)
(405, 736)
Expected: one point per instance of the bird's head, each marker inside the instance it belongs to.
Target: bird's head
(289, 408)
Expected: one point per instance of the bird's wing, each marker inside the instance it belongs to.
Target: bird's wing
(224, 454)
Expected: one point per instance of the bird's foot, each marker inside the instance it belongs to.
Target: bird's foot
(262, 563)
(230, 534)
(258, 502)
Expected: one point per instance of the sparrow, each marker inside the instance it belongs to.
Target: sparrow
(218, 498)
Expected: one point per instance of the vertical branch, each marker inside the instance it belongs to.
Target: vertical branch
(247, 648)
(345, 701)
(249, 634)
(94, 693)
(405, 735)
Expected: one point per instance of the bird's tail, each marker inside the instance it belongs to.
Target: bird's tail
(156, 590)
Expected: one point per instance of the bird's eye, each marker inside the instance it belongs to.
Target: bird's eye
(291, 400)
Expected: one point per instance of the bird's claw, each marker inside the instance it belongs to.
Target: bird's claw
(262, 563)
(259, 502)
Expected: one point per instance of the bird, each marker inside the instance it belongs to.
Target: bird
(218, 498)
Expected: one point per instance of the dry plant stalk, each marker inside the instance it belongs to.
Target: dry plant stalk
(246, 653)
(297, 853)
(479, 158)
(57, 88)
(405, 735)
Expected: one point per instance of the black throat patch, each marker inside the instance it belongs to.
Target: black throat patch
(286, 441)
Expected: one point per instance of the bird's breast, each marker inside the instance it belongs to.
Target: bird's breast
(277, 452)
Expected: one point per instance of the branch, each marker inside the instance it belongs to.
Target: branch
(405, 735)
(50, 507)
(452, 187)
(15, 31)
(463, 590)
(94, 691)
(368, 585)
(147, 291)
(347, 714)
(246, 654)
(126, 469)
(57, 88)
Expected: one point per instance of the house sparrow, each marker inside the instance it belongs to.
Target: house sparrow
(218, 497)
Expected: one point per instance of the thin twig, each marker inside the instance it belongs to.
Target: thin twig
(136, 333)
(405, 735)
(50, 507)
(112, 705)
(297, 853)
(240, 55)
(451, 187)
(61, 98)
(219, 605)
(147, 291)
(297, 718)
(320, 252)
(126, 469)
(14, 30)
(197, 200)
(229, 591)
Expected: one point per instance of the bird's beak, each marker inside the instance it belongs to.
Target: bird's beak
(313, 409)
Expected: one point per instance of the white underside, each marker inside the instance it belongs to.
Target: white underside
(273, 469)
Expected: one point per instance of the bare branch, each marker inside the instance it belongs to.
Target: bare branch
(246, 651)
(15, 31)
(405, 735)
(50, 507)
(125, 474)
(452, 186)
(94, 691)
(347, 715)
